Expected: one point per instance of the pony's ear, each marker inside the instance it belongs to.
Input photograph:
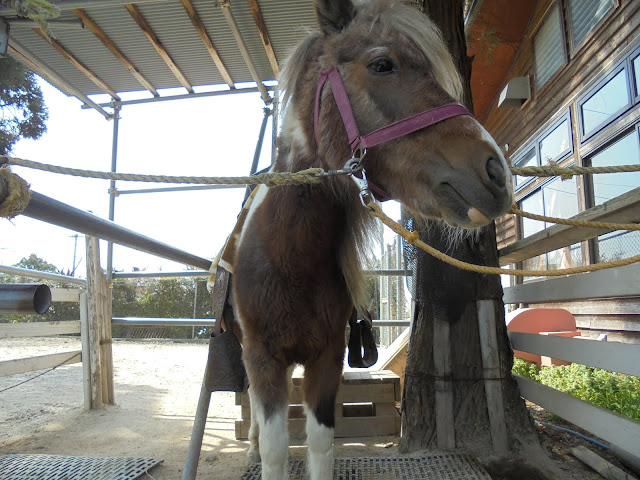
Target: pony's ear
(334, 15)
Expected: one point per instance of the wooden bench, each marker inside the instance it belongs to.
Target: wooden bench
(365, 406)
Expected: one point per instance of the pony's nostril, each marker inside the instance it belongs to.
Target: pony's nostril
(496, 172)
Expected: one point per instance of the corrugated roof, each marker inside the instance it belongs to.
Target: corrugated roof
(286, 23)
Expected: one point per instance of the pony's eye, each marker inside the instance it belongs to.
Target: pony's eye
(382, 66)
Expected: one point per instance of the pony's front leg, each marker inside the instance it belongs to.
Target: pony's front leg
(321, 381)
(254, 444)
(269, 396)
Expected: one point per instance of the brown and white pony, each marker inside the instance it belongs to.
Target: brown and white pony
(297, 275)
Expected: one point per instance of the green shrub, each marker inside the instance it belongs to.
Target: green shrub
(615, 391)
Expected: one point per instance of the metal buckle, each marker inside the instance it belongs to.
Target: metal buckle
(354, 164)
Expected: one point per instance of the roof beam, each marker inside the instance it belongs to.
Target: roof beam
(52, 77)
(76, 63)
(264, 35)
(199, 26)
(155, 41)
(106, 41)
(226, 10)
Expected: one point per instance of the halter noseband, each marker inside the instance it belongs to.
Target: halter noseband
(390, 132)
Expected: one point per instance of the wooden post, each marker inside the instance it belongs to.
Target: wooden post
(492, 374)
(86, 355)
(445, 431)
(99, 331)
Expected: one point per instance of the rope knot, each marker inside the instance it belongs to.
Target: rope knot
(15, 192)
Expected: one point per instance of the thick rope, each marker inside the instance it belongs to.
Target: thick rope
(553, 170)
(274, 179)
(414, 239)
(18, 196)
(577, 223)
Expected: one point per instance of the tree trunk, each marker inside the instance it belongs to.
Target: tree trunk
(459, 353)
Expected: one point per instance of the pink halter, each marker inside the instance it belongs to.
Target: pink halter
(381, 135)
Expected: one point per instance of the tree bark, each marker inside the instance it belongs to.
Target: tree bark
(444, 401)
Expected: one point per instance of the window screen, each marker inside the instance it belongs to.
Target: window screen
(548, 47)
(583, 16)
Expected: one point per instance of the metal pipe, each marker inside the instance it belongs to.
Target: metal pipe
(52, 211)
(388, 272)
(256, 153)
(182, 97)
(27, 272)
(231, 21)
(190, 273)
(197, 433)
(178, 189)
(112, 187)
(156, 322)
(391, 323)
(24, 298)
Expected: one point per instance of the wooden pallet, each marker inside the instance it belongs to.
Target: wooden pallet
(365, 407)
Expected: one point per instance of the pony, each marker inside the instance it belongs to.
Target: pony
(379, 67)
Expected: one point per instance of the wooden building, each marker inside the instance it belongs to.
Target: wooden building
(581, 59)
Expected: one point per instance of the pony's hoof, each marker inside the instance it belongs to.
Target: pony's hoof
(254, 457)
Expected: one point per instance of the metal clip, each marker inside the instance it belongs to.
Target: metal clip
(366, 196)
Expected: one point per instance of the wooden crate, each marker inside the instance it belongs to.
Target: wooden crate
(365, 407)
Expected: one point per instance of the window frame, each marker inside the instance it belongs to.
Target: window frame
(536, 142)
(574, 49)
(558, 6)
(624, 65)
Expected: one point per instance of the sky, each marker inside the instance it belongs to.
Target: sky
(214, 136)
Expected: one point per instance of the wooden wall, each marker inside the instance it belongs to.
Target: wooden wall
(613, 38)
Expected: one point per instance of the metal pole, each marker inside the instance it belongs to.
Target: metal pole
(27, 272)
(24, 298)
(256, 153)
(197, 433)
(52, 211)
(112, 187)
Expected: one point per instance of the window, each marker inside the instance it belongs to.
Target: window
(553, 144)
(616, 245)
(548, 47)
(556, 198)
(610, 185)
(556, 143)
(636, 75)
(584, 16)
(605, 103)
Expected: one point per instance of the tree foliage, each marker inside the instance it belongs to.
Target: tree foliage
(22, 110)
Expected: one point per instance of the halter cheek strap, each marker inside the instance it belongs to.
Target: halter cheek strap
(390, 132)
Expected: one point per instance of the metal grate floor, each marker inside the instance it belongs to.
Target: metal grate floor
(56, 467)
(433, 467)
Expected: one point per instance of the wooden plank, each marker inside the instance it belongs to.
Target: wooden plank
(445, 429)
(24, 365)
(39, 329)
(616, 306)
(155, 41)
(199, 26)
(610, 426)
(613, 282)
(95, 325)
(264, 36)
(65, 294)
(346, 427)
(107, 42)
(76, 63)
(623, 323)
(622, 209)
(86, 363)
(491, 368)
(599, 464)
(614, 356)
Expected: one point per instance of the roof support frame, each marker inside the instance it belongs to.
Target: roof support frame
(155, 41)
(107, 42)
(264, 36)
(231, 21)
(76, 63)
(45, 72)
(199, 26)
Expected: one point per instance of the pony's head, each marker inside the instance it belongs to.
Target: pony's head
(394, 64)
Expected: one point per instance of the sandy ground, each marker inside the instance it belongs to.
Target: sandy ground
(157, 384)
